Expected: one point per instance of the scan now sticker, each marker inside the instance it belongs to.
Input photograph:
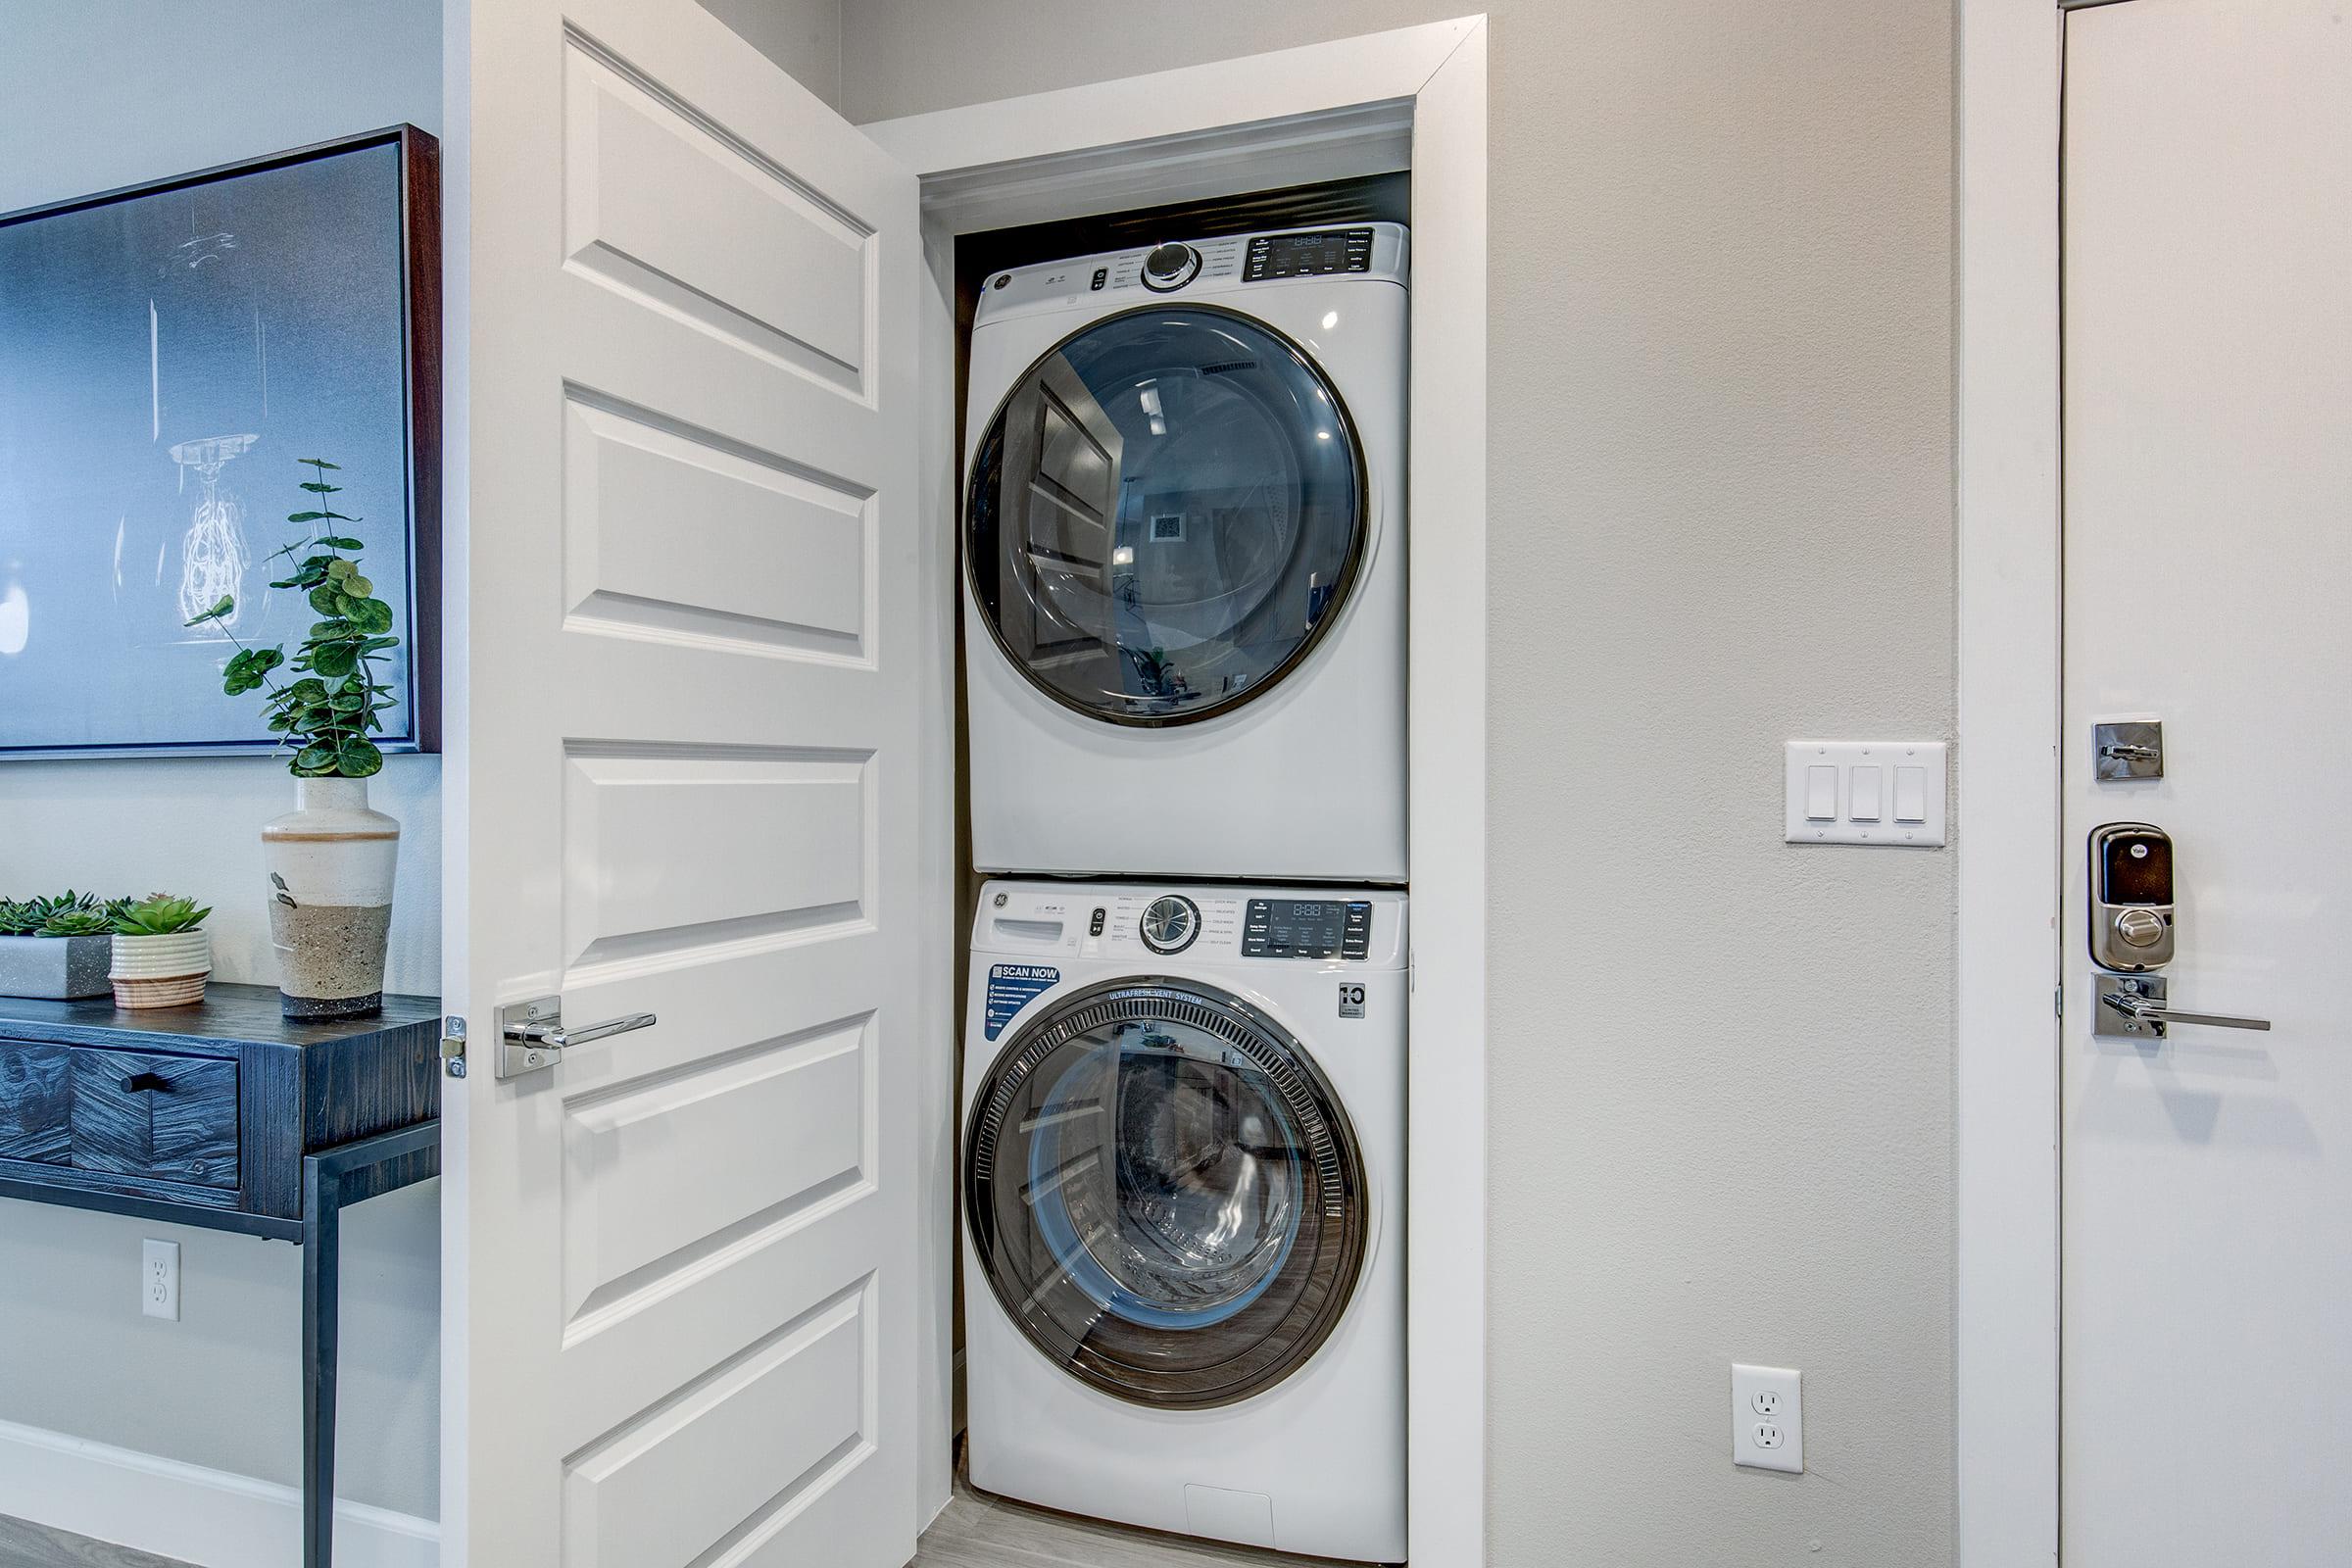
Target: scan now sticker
(1012, 987)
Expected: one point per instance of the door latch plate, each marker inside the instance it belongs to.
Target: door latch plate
(2127, 750)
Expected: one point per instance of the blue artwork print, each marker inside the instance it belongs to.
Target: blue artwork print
(166, 357)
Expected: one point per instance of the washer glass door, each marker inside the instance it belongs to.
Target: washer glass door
(1165, 514)
(1165, 1193)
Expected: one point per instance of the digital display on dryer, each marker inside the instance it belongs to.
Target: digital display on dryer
(1307, 928)
(1330, 250)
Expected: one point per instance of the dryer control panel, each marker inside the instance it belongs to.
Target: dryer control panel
(1178, 269)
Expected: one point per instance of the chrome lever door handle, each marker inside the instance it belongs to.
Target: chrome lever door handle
(2137, 1006)
(555, 1035)
(532, 1037)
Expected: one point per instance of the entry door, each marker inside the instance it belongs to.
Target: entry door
(2208, 443)
(680, 1300)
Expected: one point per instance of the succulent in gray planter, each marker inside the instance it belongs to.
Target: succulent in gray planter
(162, 953)
(56, 947)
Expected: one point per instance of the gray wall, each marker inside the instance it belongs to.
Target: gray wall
(1722, 517)
(94, 94)
(804, 37)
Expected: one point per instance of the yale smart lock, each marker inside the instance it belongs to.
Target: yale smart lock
(2130, 897)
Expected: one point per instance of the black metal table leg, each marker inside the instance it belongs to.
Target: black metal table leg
(349, 1173)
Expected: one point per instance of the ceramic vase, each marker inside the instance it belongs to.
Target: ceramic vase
(330, 862)
(166, 970)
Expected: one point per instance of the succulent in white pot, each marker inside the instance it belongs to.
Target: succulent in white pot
(162, 953)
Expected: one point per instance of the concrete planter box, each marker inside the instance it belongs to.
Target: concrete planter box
(54, 968)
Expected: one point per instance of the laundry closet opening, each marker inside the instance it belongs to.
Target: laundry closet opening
(1181, 941)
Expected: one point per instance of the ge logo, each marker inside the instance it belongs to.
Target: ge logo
(1351, 1000)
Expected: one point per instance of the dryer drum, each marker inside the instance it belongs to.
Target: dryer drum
(1164, 1193)
(1165, 514)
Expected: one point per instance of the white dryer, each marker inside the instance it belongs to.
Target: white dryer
(1185, 564)
(1184, 1189)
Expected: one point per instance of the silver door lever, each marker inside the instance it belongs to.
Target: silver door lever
(2137, 1006)
(532, 1036)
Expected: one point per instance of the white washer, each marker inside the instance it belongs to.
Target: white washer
(1184, 1188)
(1185, 564)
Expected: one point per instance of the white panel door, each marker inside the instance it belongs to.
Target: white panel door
(2208, 1176)
(683, 1262)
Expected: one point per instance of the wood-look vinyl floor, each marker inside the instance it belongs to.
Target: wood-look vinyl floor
(974, 1532)
(25, 1544)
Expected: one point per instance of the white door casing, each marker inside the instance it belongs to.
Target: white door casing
(683, 1263)
(2207, 1380)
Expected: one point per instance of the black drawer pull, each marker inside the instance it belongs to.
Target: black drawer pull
(140, 1082)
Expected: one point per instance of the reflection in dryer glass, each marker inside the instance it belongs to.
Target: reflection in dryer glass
(1163, 513)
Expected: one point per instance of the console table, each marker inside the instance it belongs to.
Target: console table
(230, 1116)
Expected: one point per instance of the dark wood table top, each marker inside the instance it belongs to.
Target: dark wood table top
(228, 1016)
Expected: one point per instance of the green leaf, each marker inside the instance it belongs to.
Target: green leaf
(371, 615)
(342, 541)
(335, 659)
(350, 702)
(326, 600)
(358, 587)
(376, 645)
(340, 568)
(358, 757)
(305, 516)
(227, 605)
(319, 462)
(313, 759)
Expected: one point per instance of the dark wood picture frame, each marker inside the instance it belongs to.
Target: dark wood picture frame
(419, 156)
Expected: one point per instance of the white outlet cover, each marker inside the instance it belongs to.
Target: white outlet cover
(1768, 1418)
(159, 1279)
(1900, 763)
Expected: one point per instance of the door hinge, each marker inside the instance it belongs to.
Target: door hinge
(2058, 1002)
(453, 1046)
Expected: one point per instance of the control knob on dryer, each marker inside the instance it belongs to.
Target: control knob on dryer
(1170, 267)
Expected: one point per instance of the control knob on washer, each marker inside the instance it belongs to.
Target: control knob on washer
(1170, 267)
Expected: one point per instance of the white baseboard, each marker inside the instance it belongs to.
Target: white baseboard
(206, 1517)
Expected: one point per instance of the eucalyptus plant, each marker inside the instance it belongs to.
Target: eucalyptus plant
(332, 706)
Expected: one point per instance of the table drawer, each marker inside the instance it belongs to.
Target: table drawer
(36, 1102)
(155, 1117)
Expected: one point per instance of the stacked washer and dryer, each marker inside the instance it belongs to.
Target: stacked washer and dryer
(1185, 1048)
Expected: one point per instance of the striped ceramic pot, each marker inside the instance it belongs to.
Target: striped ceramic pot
(330, 862)
(166, 970)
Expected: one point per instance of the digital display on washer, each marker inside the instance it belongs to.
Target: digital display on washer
(1329, 250)
(1307, 928)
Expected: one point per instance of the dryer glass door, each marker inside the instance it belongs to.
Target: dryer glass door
(1165, 1193)
(1165, 514)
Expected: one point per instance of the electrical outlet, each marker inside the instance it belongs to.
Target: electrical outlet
(159, 1279)
(1768, 1431)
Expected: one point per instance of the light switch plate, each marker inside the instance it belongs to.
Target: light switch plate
(1768, 1417)
(1908, 771)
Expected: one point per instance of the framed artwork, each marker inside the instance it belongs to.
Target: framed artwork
(170, 354)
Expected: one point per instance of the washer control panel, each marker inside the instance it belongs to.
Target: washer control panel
(1143, 924)
(1307, 928)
